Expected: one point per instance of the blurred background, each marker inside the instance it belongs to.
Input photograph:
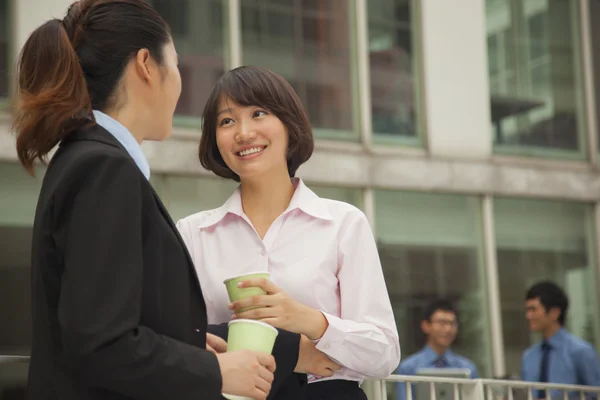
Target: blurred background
(466, 130)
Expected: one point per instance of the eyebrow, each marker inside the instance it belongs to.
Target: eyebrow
(228, 109)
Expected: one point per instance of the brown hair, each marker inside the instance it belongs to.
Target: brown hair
(69, 67)
(256, 86)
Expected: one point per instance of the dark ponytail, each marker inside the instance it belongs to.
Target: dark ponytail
(69, 68)
(52, 98)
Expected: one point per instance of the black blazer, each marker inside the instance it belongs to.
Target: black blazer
(118, 312)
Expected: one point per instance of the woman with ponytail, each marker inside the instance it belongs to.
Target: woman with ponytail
(118, 312)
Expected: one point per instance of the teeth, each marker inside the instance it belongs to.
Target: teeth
(253, 150)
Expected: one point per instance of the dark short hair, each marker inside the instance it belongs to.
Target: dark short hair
(438, 305)
(256, 86)
(69, 67)
(550, 296)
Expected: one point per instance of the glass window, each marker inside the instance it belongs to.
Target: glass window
(185, 196)
(17, 209)
(199, 31)
(348, 195)
(594, 7)
(535, 78)
(431, 247)
(15, 304)
(4, 31)
(308, 42)
(393, 59)
(539, 240)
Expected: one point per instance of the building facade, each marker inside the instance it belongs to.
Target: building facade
(466, 130)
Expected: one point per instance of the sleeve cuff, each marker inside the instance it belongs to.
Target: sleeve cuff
(333, 336)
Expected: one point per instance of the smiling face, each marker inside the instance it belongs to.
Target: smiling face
(441, 329)
(254, 123)
(252, 141)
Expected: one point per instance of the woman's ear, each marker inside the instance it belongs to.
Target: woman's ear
(143, 65)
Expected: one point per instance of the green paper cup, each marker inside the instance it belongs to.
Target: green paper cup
(235, 293)
(247, 334)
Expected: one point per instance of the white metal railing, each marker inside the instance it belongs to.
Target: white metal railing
(462, 389)
(484, 389)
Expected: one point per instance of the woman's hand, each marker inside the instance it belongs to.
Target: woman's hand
(280, 310)
(247, 373)
(313, 361)
(215, 344)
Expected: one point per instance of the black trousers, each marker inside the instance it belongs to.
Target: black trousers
(335, 390)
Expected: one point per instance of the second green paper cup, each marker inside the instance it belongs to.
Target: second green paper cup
(247, 334)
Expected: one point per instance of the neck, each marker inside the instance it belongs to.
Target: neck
(266, 198)
(551, 330)
(126, 118)
(439, 350)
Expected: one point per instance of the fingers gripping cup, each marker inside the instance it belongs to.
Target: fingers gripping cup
(235, 293)
(246, 334)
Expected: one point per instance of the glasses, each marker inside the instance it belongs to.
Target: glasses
(445, 322)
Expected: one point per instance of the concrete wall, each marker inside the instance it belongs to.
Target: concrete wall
(455, 78)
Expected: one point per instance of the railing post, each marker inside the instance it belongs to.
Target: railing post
(372, 389)
(383, 386)
(472, 391)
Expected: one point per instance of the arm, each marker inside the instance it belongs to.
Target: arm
(365, 338)
(588, 366)
(99, 309)
(524, 375)
(285, 353)
(287, 344)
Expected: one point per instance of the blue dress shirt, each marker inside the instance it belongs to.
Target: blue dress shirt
(571, 361)
(427, 358)
(126, 139)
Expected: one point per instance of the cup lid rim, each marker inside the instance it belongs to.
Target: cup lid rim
(253, 322)
(247, 273)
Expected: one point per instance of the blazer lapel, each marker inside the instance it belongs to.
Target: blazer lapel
(167, 217)
(97, 133)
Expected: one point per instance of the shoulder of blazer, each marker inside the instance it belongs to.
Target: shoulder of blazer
(88, 144)
(84, 151)
(93, 133)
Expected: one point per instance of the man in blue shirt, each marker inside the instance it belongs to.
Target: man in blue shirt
(560, 357)
(440, 325)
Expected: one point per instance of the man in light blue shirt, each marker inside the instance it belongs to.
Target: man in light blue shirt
(440, 325)
(560, 357)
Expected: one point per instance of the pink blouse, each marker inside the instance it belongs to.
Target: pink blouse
(322, 253)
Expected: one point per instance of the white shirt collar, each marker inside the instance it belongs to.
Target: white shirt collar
(303, 199)
(122, 134)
